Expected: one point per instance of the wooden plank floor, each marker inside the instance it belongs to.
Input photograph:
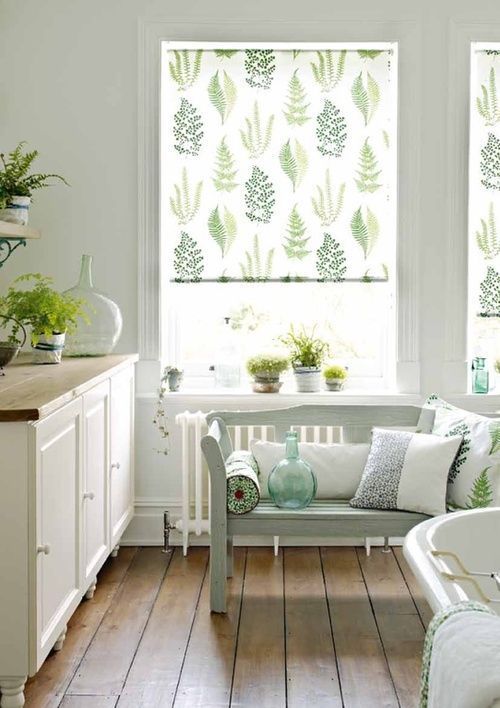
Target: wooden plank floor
(312, 627)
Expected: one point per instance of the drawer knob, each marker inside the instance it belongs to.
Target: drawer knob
(115, 466)
(44, 548)
(89, 495)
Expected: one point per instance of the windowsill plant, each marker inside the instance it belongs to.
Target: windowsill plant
(335, 377)
(265, 370)
(307, 353)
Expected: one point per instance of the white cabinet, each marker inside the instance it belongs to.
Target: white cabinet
(66, 497)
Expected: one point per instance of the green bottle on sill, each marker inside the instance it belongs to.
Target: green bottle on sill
(292, 482)
(480, 375)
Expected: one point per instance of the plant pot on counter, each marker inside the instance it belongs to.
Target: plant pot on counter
(308, 379)
(48, 350)
(16, 210)
(265, 383)
(334, 384)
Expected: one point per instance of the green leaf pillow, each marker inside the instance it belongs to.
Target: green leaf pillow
(474, 479)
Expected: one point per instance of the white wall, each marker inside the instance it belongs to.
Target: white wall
(68, 85)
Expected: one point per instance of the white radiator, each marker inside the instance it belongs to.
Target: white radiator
(195, 516)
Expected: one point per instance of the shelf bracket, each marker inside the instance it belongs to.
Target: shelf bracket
(7, 248)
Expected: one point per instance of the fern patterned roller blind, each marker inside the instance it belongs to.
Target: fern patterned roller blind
(279, 164)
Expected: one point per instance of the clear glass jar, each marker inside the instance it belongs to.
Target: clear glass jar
(480, 375)
(292, 482)
(101, 335)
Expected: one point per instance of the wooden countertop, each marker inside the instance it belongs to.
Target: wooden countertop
(33, 391)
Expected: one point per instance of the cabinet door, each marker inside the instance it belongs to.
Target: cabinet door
(57, 492)
(122, 452)
(94, 497)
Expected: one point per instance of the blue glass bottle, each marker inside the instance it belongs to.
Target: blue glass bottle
(292, 482)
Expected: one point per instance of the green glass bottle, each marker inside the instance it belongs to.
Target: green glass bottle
(480, 375)
(292, 482)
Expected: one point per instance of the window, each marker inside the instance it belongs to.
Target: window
(279, 200)
(484, 202)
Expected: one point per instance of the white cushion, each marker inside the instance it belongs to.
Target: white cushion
(475, 475)
(407, 471)
(338, 467)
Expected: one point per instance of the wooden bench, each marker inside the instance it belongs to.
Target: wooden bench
(333, 518)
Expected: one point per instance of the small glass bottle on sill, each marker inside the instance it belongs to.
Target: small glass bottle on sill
(480, 375)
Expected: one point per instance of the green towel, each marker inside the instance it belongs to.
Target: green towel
(436, 622)
(243, 489)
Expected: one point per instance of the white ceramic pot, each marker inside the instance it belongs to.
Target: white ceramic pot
(16, 211)
(335, 384)
(308, 379)
(48, 350)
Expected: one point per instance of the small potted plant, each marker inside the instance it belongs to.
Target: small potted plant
(335, 376)
(307, 353)
(17, 184)
(265, 370)
(173, 376)
(50, 314)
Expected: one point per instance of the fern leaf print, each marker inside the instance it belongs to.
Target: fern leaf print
(186, 200)
(222, 95)
(331, 131)
(490, 163)
(295, 244)
(296, 107)
(365, 231)
(487, 237)
(185, 68)
(260, 67)
(222, 229)
(188, 260)
(225, 169)
(293, 162)
(495, 438)
(257, 134)
(188, 129)
(259, 197)
(330, 260)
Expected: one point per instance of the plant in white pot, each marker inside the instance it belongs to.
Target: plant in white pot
(17, 184)
(50, 314)
(335, 376)
(307, 353)
(265, 369)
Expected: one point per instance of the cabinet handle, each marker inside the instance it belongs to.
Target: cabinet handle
(89, 495)
(44, 548)
(115, 465)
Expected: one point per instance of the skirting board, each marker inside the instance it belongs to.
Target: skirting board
(146, 529)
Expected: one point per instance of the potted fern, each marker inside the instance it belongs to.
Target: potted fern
(307, 353)
(335, 377)
(50, 314)
(17, 184)
(265, 370)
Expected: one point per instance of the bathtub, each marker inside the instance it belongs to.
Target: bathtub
(473, 537)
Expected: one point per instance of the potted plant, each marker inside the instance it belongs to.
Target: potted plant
(17, 184)
(49, 313)
(173, 376)
(335, 376)
(265, 370)
(307, 353)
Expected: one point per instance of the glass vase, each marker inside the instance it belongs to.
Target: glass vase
(100, 336)
(292, 482)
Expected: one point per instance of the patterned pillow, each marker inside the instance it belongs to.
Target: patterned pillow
(406, 471)
(474, 479)
(243, 488)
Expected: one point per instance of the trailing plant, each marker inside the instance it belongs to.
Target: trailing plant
(270, 365)
(294, 162)
(225, 53)
(330, 260)
(327, 207)
(222, 95)
(256, 139)
(188, 129)
(185, 68)
(222, 229)
(365, 231)
(296, 106)
(461, 456)
(260, 67)
(495, 437)
(490, 163)
(296, 241)
(487, 104)
(487, 238)
(160, 420)
(366, 98)
(225, 171)
(42, 308)
(257, 266)
(331, 131)
(368, 173)
(481, 494)
(259, 196)
(15, 177)
(183, 204)
(489, 297)
(369, 53)
(305, 348)
(188, 260)
(330, 68)
(335, 371)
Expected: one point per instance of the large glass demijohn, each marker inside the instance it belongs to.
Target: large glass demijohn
(292, 482)
(100, 336)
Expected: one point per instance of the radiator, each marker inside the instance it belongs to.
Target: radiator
(195, 514)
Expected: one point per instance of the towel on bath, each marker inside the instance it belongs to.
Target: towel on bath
(460, 667)
(243, 489)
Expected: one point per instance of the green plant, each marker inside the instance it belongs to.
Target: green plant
(44, 309)
(182, 205)
(255, 140)
(305, 349)
(15, 177)
(481, 494)
(334, 371)
(225, 171)
(269, 364)
(329, 69)
(366, 99)
(188, 129)
(222, 96)
(293, 162)
(331, 131)
(296, 106)
(327, 207)
(296, 241)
